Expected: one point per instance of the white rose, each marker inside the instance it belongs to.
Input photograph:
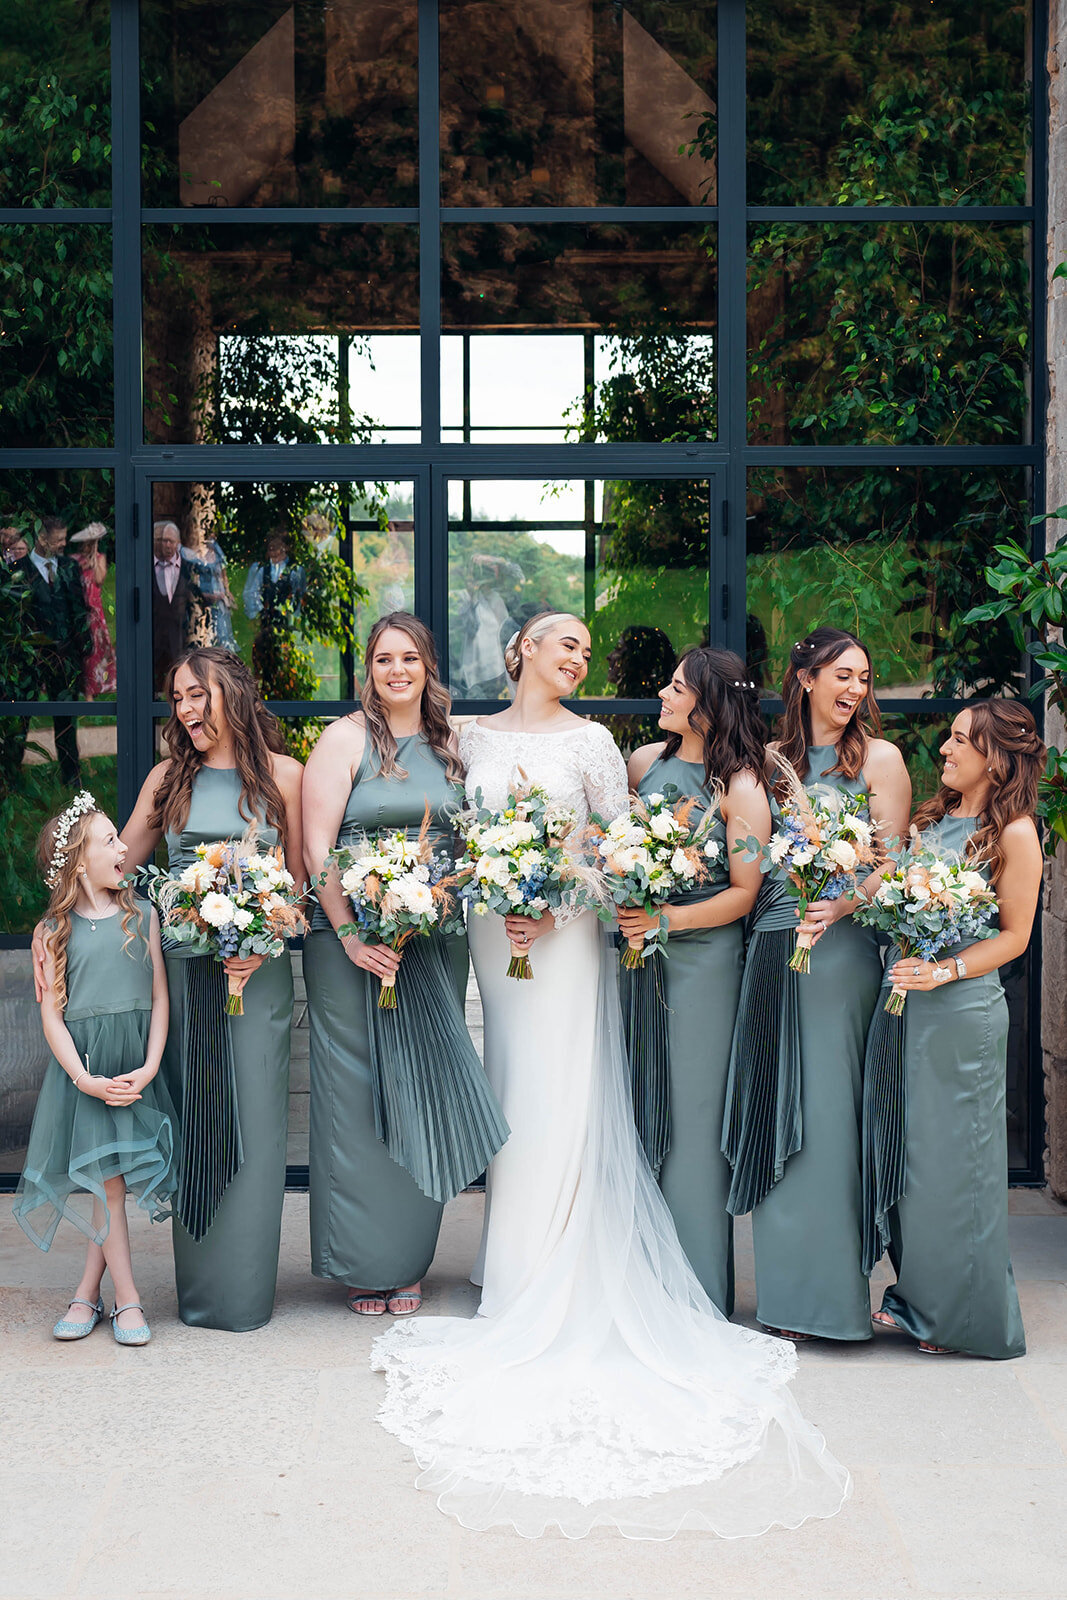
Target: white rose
(218, 909)
(241, 919)
(973, 882)
(713, 850)
(801, 858)
(682, 866)
(653, 800)
(884, 892)
(842, 854)
(918, 894)
(352, 880)
(663, 825)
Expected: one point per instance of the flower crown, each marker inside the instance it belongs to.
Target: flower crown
(81, 804)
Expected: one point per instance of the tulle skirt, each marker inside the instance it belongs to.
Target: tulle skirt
(605, 1389)
(77, 1142)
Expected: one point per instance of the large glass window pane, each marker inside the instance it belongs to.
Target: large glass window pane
(629, 556)
(893, 554)
(35, 785)
(57, 592)
(55, 103)
(577, 102)
(56, 379)
(289, 575)
(888, 102)
(899, 333)
(579, 332)
(262, 335)
(279, 104)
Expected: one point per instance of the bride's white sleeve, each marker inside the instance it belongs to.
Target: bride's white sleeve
(606, 795)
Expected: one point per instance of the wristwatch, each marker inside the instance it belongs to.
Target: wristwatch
(961, 967)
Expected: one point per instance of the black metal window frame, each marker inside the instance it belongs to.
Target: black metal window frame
(430, 463)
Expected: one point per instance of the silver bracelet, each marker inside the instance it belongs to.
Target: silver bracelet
(961, 967)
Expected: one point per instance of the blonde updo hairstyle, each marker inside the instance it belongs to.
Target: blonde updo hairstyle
(534, 628)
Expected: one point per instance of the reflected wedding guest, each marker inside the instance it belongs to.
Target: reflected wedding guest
(99, 674)
(209, 621)
(275, 584)
(60, 616)
(13, 546)
(170, 600)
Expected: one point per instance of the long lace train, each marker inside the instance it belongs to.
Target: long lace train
(606, 1390)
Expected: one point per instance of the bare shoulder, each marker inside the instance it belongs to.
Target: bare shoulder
(1021, 834)
(341, 741)
(642, 759)
(744, 781)
(883, 759)
(155, 780)
(288, 772)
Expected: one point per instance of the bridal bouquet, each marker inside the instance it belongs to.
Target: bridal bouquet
(514, 860)
(927, 904)
(397, 888)
(233, 900)
(649, 853)
(824, 842)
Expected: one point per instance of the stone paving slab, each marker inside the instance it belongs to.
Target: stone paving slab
(213, 1466)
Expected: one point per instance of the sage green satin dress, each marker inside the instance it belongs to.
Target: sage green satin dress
(371, 1226)
(949, 1231)
(227, 1279)
(806, 1229)
(701, 982)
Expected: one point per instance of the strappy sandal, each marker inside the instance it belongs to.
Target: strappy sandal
(78, 1330)
(788, 1333)
(130, 1336)
(396, 1295)
(883, 1319)
(356, 1299)
(929, 1349)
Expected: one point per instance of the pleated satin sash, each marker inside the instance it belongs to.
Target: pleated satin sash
(885, 1128)
(644, 1015)
(433, 1108)
(211, 1135)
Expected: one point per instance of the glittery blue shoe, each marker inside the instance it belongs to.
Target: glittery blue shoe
(139, 1335)
(78, 1330)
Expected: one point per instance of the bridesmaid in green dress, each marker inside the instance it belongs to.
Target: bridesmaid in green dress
(372, 1228)
(792, 1125)
(714, 747)
(947, 1220)
(225, 771)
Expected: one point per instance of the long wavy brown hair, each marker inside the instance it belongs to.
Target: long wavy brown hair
(821, 648)
(256, 732)
(65, 893)
(434, 707)
(726, 713)
(1006, 734)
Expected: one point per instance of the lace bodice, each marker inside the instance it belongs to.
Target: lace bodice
(579, 768)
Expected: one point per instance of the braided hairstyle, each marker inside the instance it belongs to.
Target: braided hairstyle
(1004, 731)
(534, 628)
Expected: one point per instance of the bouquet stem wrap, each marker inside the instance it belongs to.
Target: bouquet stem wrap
(433, 1108)
(211, 1136)
(519, 965)
(235, 1000)
(800, 960)
(644, 1014)
(633, 955)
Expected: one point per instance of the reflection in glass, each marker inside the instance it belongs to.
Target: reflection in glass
(35, 786)
(900, 333)
(57, 594)
(633, 563)
(56, 385)
(607, 331)
(55, 111)
(250, 332)
(290, 575)
(280, 105)
(23, 1060)
(889, 102)
(583, 102)
(894, 555)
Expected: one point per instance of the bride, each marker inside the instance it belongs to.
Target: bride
(598, 1385)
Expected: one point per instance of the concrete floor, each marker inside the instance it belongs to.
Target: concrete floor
(214, 1466)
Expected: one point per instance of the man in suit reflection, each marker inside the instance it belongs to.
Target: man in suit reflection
(62, 623)
(170, 600)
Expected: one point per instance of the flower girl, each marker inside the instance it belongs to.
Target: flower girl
(104, 1123)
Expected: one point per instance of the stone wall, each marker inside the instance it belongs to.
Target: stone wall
(1054, 929)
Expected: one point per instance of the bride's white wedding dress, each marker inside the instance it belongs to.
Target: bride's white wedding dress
(598, 1386)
